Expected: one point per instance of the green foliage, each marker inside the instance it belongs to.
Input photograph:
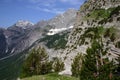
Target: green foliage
(51, 76)
(118, 44)
(58, 65)
(100, 14)
(118, 66)
(57, 41)
(113, 37)
(10, 67)
(36, 63)
(92, 33)
(115, 11)
(94, 65)
(110, 33)
(117, 70)
(76, 65)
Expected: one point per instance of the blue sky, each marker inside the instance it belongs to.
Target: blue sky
(33, 10)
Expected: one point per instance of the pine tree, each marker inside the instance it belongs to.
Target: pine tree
(96, 65)
(117, 72)
(76, 65)
(58, 65)
(36, 63)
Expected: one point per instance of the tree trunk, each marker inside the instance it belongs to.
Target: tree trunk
(97, 65)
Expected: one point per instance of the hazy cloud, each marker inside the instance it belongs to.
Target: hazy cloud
(51, 10)
(52, 6)
(72, 2)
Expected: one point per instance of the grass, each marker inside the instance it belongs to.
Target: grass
(52, 76)
(100, 14)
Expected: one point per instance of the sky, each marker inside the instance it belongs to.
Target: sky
(12, 11)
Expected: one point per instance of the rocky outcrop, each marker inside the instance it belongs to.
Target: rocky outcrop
(92, 13)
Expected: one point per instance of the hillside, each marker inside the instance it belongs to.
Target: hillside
(22, 36)
(64, 36)
(100, 13)
(52, 76)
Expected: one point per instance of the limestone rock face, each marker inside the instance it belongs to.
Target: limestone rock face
(89, 15)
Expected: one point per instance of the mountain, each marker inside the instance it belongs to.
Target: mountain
(64, 20)
(63, 36)
(92, 13)
(3, 42)
(22, 24)
(24, 35)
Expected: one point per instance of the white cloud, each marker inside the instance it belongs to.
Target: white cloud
(46, 6)
(72, 2)
(52, 10)
(52, 6)
(42, 1)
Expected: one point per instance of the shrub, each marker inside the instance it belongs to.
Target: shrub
(113, 37)
(58, 65)
(118, 44)
(110, 33)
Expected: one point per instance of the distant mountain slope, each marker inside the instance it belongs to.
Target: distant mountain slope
(58, 38)
(23, 35)
(3, 43)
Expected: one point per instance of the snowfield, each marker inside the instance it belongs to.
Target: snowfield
(55, 31)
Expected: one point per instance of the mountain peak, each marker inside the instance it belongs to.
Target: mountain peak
(64, 20)
(71, 9)
(23, 23)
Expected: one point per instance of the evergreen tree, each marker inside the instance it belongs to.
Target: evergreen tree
(96, 65)
(58, 65)
(76, 65)
(36, 63)
(117, 70)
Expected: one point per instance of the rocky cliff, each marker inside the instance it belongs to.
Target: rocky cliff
(93, 13)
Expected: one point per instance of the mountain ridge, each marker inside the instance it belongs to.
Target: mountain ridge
(68, 43)
(23, 33)
(90, 15)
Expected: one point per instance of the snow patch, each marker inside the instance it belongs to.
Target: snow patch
(12, 50)
(6, 50)
(55, 31)
(6, 37)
